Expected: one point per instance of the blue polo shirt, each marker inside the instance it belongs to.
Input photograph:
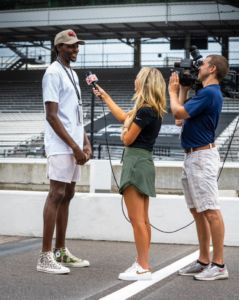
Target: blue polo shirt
(204, 110)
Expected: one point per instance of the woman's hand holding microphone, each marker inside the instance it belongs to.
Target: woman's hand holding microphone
(99, 92)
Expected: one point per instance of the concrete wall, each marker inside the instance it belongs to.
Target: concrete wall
(99, 217)
(30, 174)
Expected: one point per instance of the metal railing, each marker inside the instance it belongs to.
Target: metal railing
(107, 60)
(20, 134)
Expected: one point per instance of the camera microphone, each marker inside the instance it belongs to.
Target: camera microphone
(195, 53)
(91, 79)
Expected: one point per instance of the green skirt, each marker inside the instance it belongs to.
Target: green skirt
(138, 170)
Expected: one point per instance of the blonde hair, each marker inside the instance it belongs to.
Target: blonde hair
(150, 91)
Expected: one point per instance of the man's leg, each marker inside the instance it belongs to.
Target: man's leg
(53, 200)
(215, 220)
(202, 226)
(203, 233)
(62, 215)
(217, 269)
(46, 261)
(62, 254)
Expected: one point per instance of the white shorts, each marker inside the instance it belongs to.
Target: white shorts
(63, 167)
(199, 179)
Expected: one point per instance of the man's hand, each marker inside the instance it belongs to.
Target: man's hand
(80, 156)
(178, 122)
(173, 87)
(87, 147)
(177, 108)
(185, 88)
(87, 151)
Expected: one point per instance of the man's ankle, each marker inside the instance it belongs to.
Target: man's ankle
(46, 250)
(221, 265)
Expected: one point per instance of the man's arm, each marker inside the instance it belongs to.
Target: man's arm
(177, 108)
(183, 96)
(56, 124)
(183, 93)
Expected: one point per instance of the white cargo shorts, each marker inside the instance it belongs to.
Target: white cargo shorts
(63, 168)
(199, 179)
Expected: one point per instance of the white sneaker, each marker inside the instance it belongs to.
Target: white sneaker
(46, 263)
(136, 272)
(213, 272)
(193, 269)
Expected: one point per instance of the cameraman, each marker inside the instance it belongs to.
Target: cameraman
(200, 116)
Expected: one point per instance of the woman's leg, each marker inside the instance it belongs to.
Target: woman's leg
(137, 205)
(146, 217)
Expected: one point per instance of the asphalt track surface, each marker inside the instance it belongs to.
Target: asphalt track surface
(20, 280)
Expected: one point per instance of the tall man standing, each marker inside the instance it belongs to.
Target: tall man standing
(200, 114)
(67, 147)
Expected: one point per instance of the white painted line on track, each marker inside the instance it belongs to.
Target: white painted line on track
(138, 286)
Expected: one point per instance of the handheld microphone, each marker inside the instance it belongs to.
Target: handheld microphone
(91, 79)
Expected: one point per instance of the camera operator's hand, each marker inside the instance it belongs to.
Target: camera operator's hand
(185, 88)
(183, 93)
(176, 105)
(173, 87)
(178, 122)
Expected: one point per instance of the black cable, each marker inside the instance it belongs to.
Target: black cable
(228, 148)
(107, 146)
(122, 206)
(154, 227)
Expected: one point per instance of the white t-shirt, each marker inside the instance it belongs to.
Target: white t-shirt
(57, 87)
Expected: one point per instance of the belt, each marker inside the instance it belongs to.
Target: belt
(209, 146)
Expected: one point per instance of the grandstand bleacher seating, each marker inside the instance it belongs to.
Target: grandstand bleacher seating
(22, 112)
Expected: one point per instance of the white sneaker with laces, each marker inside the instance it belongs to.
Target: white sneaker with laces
(192, 269)
(213, 272)
(136, 272)
(67, 259)
(47, 263)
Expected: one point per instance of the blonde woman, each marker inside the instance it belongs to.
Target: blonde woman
(137, 183)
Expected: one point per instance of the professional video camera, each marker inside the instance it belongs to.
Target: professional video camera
(188, 69)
